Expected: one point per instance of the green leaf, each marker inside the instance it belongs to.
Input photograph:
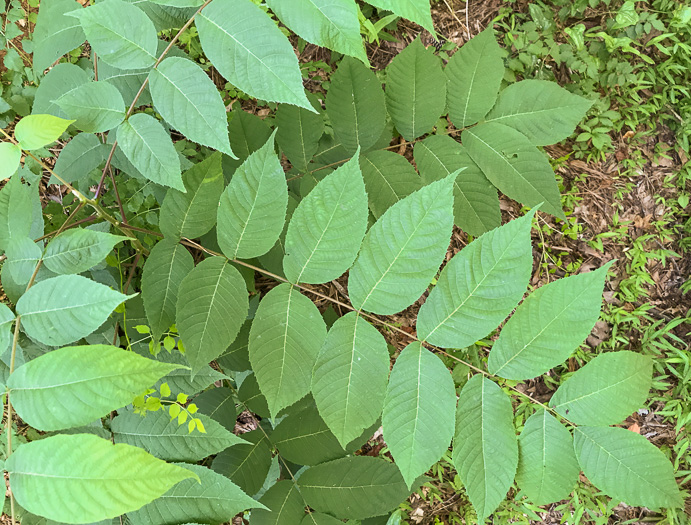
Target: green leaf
(356, 106)
(163, 438)
(55, 34)
(120, 33)
(60, 80)
(356, 487)
(543, 111)
(22, 255)
(332, 24)
(15, 211)
(247, 133)
(418, 416)
(327, 227)
(36, 131)
(79, 156)
(246, 464)
(285, 338)
(150, 149)
(181, 380)
(212, 305)
(265, 68)
(485, 451)
(128, 82)
(285, 506)
(165, 268)
(96, 107)
(417, 11)
(403, 250)
(216, 500)
(627, 467)
(318, 518)
(516, 167)
(389, 178)
(187, 99)
(7, 317)
(75, 385)
(192, 213)
(252, 209)
(474, 74)
(476, 203)
(606, 390)
(251, 397)
(350, 375)
(298, 133)
(548, 326)
(63, 309)
(236, 357)
(78, 249)
(479, 287)
(82, 478)
(219, 405)
(547, 466)
(415, 90)
(10, 156)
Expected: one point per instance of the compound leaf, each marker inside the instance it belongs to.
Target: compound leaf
(548, 326)
(95, 107)
(82, 478)
(78, 249)
(417, 11)
(606, 390)
(403, 250)
(298, 134)
(188, 100)
(415, 90)
(389, 177)
(479, 286)
(285, 338)
(285, 506)
(219, 405)
(76, 385)
(485, 451)
(418, 412)
(246, 464)
(627, 467)
(327, 227)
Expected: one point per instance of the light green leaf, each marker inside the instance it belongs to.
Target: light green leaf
(285, 505)
(476, 203)
(246, 464)
(479, 287)
(78, 249)
(192, 213)
(415, 90)
(474, 74)
(606, 390)
(22, 255)
(167, 265)
(403, 250)
(163, 438)
(181, 380)
(548, 326)
(219, 405)
(36, 131)
(120, 33)
(356, 487)
(327, 227)
(55, 34)
(179, 3)
(332, 24)
(389, 177)
(285, 338)
(350, 375)
(7, 317)
(543, 111)
(417, 11)
(75, 385)
(96, 107)
(82, 478)
(15, 211)
(216, 500)
(212, 305)
(10, 156)
(418, 416)
(356, 106)
(265, 68)
(485, 451)
(627, 467)
(547, 466)
(187, 99)
(298, 133)
(150, 149)
(252, 210)
(516, 167)
(63, 309)
(60, 80)
(79, 156)
(128, 82)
